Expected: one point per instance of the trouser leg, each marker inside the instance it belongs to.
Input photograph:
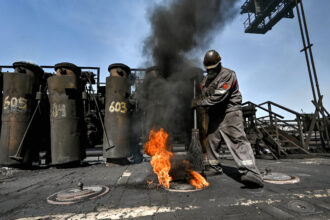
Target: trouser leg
(212, 142)
(232, 131)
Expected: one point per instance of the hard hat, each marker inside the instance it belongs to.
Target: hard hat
(211, 59)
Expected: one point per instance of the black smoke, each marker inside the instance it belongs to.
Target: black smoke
(180, 29)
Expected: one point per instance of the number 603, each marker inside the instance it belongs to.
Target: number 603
(118, 107)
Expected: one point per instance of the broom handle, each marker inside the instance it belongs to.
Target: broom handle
(195, 111)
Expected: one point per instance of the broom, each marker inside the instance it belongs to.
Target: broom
(195, 151)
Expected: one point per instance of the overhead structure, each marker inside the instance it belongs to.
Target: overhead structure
(264, 14)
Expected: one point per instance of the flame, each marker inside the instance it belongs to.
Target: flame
(198, 180)
(160, 161)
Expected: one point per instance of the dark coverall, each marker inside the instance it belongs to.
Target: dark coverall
(222, 97)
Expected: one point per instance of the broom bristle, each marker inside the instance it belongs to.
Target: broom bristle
(195, 151)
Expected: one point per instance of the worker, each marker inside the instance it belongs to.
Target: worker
(223, 100)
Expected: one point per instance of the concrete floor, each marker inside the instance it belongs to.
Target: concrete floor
(23, 193)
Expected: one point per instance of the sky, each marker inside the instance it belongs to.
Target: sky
(269, 67)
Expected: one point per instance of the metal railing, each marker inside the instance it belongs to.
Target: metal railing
(276, 120)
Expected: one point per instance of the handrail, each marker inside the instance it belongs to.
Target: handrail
(289, 125)
(285, 122)
(266, 116)
(282, 107)
(279, 120)
(248, 102)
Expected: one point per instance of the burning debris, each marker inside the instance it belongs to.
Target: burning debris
(158, 148)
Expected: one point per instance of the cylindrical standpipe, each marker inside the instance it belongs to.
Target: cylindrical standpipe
(65, 120)
(19, 91)
(117, 115)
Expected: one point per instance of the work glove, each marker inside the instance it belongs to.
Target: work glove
(196, 103)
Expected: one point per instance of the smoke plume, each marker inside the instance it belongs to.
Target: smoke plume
(180, 29)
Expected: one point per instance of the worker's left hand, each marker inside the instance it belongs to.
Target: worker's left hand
(196, 103)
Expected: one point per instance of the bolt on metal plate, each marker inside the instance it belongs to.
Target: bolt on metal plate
(75, 195)
(301, 207)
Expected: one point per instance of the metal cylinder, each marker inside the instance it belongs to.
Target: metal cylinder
(117, 139)
(19, 90)
(65, 120)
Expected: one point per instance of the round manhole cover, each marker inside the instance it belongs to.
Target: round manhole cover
(280, 178)
(75, 195)
(181, 186)
(301, 206)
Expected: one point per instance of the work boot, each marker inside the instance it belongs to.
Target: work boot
(217, 168)
(252, 180)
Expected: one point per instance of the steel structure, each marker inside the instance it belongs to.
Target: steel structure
(264, 14)
(317, 96)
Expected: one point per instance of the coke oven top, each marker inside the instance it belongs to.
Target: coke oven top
(119, 66)
(65, 65)
(21, 65)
